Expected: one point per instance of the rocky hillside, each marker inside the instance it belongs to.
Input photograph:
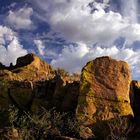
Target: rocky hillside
(104, 91)
(32, 83)
(29, 67)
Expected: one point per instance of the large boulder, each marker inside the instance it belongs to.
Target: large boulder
(104, 91)
(21, 94)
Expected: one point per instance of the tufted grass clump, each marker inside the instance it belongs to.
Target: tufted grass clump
(50, 124)
(46, 124)
(120, 128)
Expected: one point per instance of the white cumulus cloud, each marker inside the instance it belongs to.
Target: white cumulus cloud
(74, 58)
(40, 46)
(91, 25)
(10, 47)
(130, 9)
(21, 18)
(75, 22)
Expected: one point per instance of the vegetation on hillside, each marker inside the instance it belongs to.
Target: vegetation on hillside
(48, 125)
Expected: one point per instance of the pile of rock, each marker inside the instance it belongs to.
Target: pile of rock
(104, 92)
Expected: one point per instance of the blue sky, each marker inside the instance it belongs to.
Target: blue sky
(69, 33)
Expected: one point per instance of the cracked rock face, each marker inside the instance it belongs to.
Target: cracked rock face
(32, 84)
(29, 67)
(104, 90)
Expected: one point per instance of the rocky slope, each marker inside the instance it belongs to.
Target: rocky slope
(32, 83)
(103, 92)
(18, 78)
(29, 67)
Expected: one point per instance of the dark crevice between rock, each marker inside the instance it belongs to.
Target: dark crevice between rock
(135, 98)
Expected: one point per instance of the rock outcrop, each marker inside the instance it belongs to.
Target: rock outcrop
(18, 78)
(56, 93)
(29, 67)
(101, 94)
(104, 91)
(135, 99)
(32, 84)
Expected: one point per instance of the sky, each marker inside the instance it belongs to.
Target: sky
(69, 33)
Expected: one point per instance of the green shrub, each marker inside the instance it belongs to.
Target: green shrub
(43, 125)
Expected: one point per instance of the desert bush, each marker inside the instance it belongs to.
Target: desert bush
(44, 125)
(48, 124)
(62, 72)
(119, 128)
(71, 126)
